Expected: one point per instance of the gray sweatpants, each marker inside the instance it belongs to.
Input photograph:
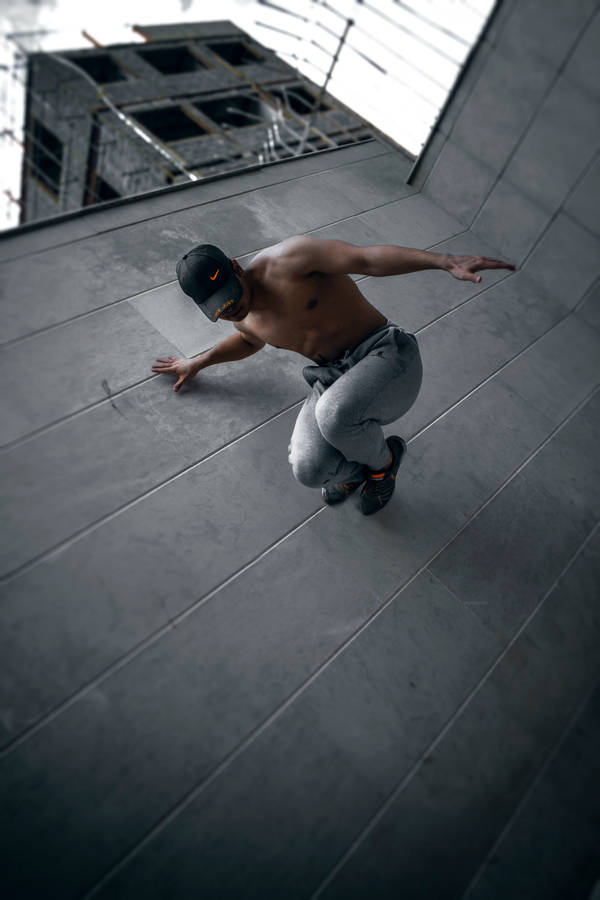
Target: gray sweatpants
(338, 431)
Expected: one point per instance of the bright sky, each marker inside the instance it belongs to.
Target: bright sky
(421, 61)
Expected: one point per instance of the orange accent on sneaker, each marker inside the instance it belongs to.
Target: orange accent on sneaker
(381, 475)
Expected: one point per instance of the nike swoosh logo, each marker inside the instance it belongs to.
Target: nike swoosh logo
(212, 277)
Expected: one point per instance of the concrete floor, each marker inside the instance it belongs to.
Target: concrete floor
(213, 685)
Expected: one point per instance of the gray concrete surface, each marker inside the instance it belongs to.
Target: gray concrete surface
(213, 685)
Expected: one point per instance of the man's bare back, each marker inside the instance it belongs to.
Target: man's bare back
(298, 295)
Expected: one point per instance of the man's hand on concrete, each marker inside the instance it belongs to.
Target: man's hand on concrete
(174, 365)
(464, 267)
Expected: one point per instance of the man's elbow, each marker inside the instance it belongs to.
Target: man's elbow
(370, 263)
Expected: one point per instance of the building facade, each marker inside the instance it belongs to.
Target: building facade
(193, 100)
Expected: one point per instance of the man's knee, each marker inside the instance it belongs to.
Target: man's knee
(332, 418)
(306, 470)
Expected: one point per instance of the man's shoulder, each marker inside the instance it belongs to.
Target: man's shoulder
(286, 248)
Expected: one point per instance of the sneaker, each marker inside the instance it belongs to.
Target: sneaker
(380, 486)
(337, 493)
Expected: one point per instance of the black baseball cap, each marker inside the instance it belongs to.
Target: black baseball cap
(206, 275)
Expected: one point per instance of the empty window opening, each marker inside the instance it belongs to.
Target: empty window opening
(103, 190)
(101, 67)
(235, 53)
(299, 99)
(170, 60)
(236, 112)
(46, 156)
(169, 123)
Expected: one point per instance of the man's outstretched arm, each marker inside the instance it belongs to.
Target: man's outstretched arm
(337, 258)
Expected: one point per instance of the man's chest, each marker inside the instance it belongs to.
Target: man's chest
(287, 319)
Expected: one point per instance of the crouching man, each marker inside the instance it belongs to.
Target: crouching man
(366, 371)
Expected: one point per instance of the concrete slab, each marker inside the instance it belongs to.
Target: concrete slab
(583, 67)
(547, 32)
(73, 366)
(97, 462)
(411, 222)
(589, 310)
(510, 554)
(469, 783)
(566, 135)
(460, 351)
(559, 818)
(342, 746)
(582, 205)
(511, 220)
(138, 570)
(230, 664)
(566, 261)
(459, 182)
(19, 243)
(559, 371)
(178, 320)
(65, 282)
(488, 129)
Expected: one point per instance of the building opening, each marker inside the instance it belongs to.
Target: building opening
(169, 123)
(299, 99)
(101, 67)
(235, 53)
(103, 190)
(235, 112)
(46, 157)
(170, 60)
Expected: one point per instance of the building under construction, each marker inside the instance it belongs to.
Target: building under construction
(194, 100)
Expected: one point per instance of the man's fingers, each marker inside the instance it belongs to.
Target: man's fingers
(178, 383)
(493, 264)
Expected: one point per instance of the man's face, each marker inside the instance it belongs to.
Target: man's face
(242, 307)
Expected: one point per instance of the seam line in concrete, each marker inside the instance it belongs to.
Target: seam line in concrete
(258, 730)
(595, 284)
(393, 796)
(530, 790)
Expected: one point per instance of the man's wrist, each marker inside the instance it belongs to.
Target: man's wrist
(200, 362)
(444, 261)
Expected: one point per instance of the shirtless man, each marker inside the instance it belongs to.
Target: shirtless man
(366, 372)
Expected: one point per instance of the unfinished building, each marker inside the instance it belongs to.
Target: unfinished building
(194, 100)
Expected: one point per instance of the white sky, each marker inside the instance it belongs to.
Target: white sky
(421, 61)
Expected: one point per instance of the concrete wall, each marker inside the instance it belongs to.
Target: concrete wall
(516, 155)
